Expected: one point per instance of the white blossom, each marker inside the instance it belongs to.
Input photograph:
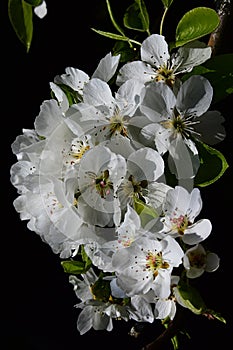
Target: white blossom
(180, 210)
(41, 10)
(197, 260)
(177, 120)
(158, 65)
(147, 264)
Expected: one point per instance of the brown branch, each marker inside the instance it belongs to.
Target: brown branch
(221, 39)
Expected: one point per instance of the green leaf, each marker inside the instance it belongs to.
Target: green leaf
(195, 24)
(212, 167)
(85, 258)
(74, 267)
(72, 96)
(101, 289)
(77, 266)
(213, 314)
(126, 53)
(34, 2)
(20, 15)
(189, 297)
(145, 211)
(136, 17)
(199, 70)
(167, 3)
(111, 35)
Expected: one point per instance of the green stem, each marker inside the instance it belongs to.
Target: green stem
(162, 20)
(135, 42)
(113, 20)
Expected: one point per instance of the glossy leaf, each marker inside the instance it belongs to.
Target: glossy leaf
(21, 17)
(111, 35)
(146, 212)
(76, 267)
(195, 24)
(213, 165)
(73, 267)
(136, 17)
(189, 297)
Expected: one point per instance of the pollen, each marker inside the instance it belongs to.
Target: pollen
(117, 124)
(103, 184)
(180, 224)
(166, 75)
(78, 148)
(155, 262)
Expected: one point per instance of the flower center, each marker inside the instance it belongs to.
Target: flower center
(179, 124)
(78, 148)
(125, 240)
(117, 124)
(155, 262)
(103, 184)
(180, 224)
(197, 260)
(138, 187)
(165, 74)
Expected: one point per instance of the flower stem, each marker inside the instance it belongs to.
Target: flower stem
(162, 20)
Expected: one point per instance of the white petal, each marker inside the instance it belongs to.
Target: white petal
(97, 92)
(84, 322)
(143, 309)
(60, 96)
(154, 50)
(194, 96)
(188, 57)
(135, 70)
(116, 291)
(183, 159)
(49, 118)
(128, 96)
(106, 67)
(195, 272)
(197, 232)
(158, 102)
(145, 164)
(212, 262)
(210, 127)
(74, 78)
(163, 307)
(162, 284)
(195, 204)
(177, 202)
(41, 10)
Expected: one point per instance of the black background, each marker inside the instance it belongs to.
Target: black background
(37, 300)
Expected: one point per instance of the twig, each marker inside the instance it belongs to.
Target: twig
(173, 328)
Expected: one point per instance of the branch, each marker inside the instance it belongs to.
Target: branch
(222, 35)
(172, 330)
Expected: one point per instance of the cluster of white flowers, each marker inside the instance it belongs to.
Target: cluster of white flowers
(91, 177)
